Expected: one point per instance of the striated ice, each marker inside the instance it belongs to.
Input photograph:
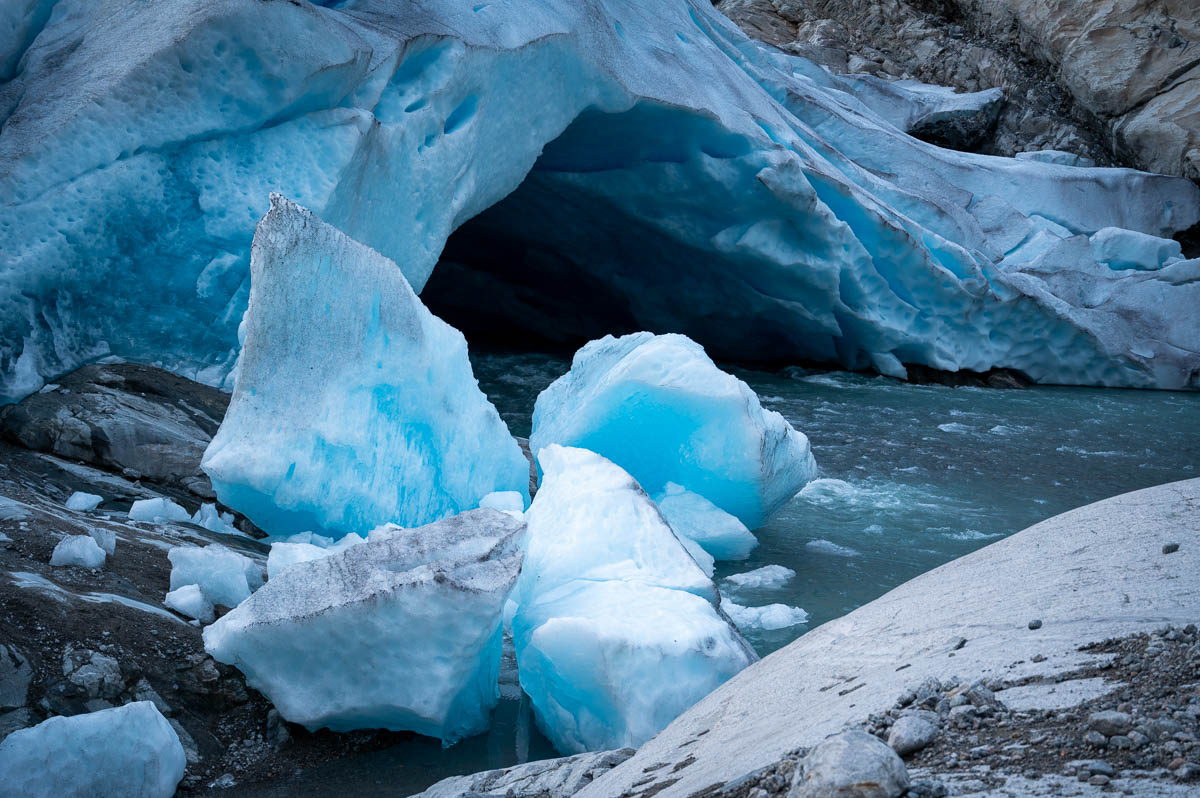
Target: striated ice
(226, 577)
(1127, 249)
(408, 630)
(157, 510)
(657, 406)
(124, 752)
(285, 553)
(190, 600)
(616, 629)
(694, 517)
(81, 550)
(354, 406)
(84, 502)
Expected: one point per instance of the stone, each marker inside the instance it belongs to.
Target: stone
(122, 417)
(1036, 623)
(851, 764)
(913, 731)
(1110, 722)
(1170, 548)
(1095, 738)
(15, 675)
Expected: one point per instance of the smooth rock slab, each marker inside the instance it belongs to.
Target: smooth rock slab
(124, 752)
(852, 764)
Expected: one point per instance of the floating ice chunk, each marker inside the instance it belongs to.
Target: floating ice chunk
(694, 517)
(226, 577)
(84, 502)
(392, 426)
(764, 619)
(657, 406)
(767, 577)
(190, 600)
(954, 426)
(79, 550)
(285, 554)
(829, 547)
(616, 631)
(157, 510)
(105, 538)
(509, 501)
(1127, 249)
(129, 751)
(408, 630)
(215, 521)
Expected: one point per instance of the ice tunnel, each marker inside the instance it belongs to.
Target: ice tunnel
(608, 165)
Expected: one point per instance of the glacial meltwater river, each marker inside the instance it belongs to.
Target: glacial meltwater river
(912, 476)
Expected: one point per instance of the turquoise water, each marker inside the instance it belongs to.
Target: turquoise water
(911, 477)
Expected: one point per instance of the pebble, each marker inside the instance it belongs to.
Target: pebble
(1036, 623)
(1095, 738)
(1098, 780)
(1170, 548)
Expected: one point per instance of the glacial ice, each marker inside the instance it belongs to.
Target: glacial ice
(616, 629)
(410, 630)
(360, 413)
(763, 619)
(83, 502)
(129, 751)
(657, 406)
(694, 517)
(190, 600)
(509, 501)
(81, 550)
(105, 538)
(157, 510)
(1126, 249)
(767, 577)
(288, 552)
(226, 577)
(708, 184)
(210, 518)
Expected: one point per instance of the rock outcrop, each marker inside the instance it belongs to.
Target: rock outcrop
(1117, 82)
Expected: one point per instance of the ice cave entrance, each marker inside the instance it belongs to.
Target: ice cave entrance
(595, 241)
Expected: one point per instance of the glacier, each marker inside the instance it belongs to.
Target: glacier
(129, 751)
(616, 629)
(688, 178)
(657, 406)
(354, 406)
(409, 624)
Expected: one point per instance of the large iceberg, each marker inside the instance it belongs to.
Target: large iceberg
(649, 154)
(403, 632)
(355, 406)
(124, 752)
(617, 629)
(657, 406)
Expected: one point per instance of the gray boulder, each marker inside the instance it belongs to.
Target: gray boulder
(851, 764)
(913, 731)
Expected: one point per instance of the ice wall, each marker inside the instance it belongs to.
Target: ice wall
(780, 212)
